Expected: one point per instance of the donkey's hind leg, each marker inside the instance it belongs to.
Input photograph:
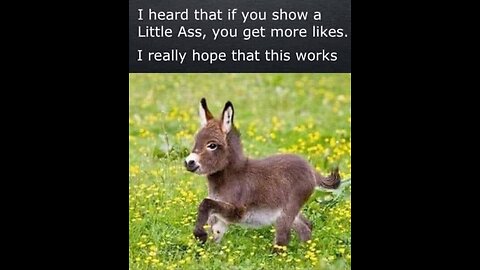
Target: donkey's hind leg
(302, 228)
(284, 224)
(305, 220)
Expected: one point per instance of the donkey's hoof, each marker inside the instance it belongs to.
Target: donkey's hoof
(279, 249)
(201, 235)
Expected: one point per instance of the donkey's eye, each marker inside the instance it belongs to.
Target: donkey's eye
(212, 146)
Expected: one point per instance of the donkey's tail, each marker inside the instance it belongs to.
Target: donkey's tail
(330, 182)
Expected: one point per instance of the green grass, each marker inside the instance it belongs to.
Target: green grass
(306, 114)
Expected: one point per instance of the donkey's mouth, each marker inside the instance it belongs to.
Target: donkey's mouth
(193, 169)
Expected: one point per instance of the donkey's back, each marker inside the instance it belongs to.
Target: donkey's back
(288, 175)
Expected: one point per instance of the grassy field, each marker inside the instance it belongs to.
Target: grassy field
(306, 114)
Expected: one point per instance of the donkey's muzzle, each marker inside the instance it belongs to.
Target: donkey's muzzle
(191, 165)
(191, 162)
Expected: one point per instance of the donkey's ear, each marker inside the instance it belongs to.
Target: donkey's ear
(204, 113)
(227, 117)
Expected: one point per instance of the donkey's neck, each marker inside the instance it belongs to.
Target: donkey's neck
(236, 159)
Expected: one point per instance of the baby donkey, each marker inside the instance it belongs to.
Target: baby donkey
(252, 193)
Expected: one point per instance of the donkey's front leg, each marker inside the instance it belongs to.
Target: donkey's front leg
(208, 206)
(217, 228)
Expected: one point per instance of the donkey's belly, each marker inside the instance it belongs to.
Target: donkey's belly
(260, 217)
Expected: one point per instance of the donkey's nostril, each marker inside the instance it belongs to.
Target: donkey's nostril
(191, 163)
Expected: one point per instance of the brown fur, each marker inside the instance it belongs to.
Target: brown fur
(237, 185)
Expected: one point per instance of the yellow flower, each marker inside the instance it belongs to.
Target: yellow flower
(134, 170)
